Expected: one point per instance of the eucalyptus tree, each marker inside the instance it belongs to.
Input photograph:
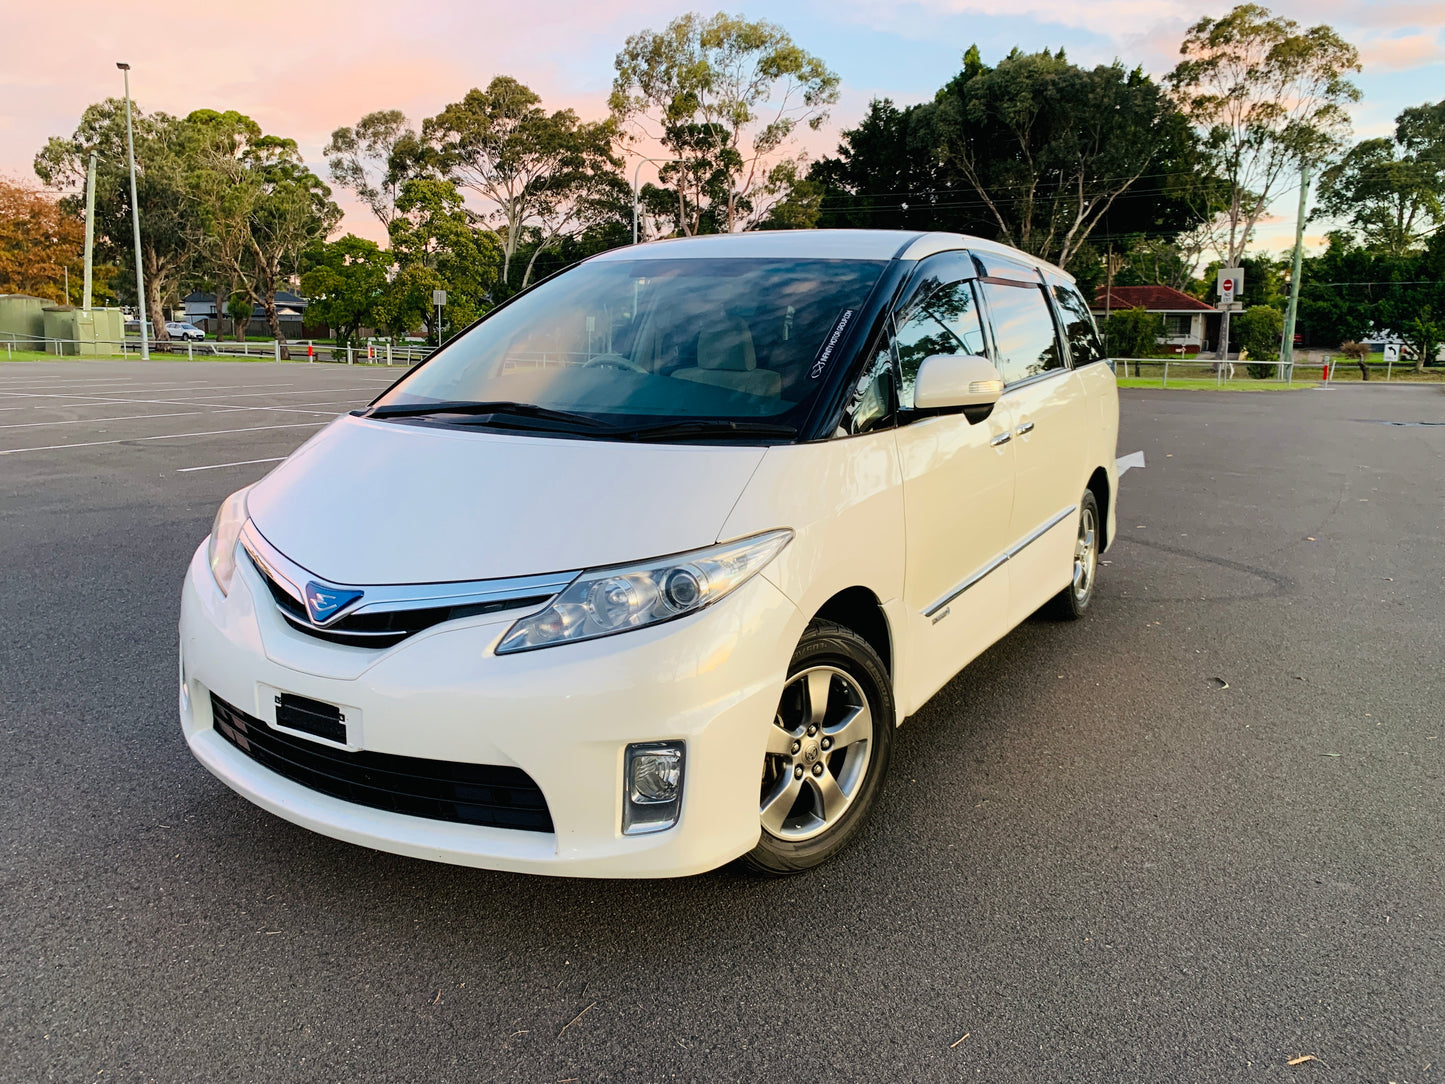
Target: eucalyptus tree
(1269, 97)
(531, 169)
(290, 210)
(362, 158)
(1392, 190)
(725, 98)
(438, 245)
(222, 144)
(163, 193)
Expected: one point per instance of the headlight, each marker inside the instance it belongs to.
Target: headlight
(221, 552)
(603, 601)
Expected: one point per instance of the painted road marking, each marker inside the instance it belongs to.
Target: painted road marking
(1133, 459)
(163, 436)
(219, 408)
(242, 463)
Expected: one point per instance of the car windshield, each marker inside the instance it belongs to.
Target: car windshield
(635, 343)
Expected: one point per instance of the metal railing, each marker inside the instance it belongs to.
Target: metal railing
(305, 350)
(1182, 367)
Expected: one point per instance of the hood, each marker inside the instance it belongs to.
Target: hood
(385, 502)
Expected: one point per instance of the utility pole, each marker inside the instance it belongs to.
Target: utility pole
(1109, 281)
(140, 280)
(1286, 346)
(89, 231)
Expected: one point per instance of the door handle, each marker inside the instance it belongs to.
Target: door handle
(1027, 427)
(1002, 438)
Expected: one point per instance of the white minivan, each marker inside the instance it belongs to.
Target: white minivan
(637, 575)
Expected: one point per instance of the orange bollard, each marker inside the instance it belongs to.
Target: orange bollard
(310, 352)
(1325, 373)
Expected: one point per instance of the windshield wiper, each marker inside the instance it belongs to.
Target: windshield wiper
(498, 409)
(707, 427)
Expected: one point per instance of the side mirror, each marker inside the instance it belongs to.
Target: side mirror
(954, 381)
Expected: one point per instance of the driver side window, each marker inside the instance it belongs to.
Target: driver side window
(943, 321)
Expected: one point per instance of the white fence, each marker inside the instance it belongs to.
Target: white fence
(1194, 368)
(383, 353)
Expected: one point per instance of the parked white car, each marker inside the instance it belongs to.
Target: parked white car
(185, 332)
(638, 575)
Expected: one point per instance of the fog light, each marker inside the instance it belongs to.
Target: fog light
(653, 779)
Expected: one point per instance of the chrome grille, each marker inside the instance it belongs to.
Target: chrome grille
(387, 614)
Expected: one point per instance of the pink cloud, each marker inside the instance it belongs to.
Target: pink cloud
(1404, 52)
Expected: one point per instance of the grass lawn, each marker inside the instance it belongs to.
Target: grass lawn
(1209, 384)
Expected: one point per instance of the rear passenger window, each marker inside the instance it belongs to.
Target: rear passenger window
(1023, 331)
(1079, 330)
(945, 321)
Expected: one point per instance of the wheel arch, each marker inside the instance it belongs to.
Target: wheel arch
(1099, 486)
(858, 608)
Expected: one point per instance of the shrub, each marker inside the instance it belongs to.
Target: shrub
(1133, 333)
(1260, 330)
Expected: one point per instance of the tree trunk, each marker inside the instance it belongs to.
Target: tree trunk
(273, 320)
(1364, 369)
(158, 318)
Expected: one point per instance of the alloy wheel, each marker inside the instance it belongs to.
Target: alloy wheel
(1086, 555)
(818, 753)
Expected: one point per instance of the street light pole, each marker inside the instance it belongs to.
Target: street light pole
(89, 232)
(636, 174)
(140, 281)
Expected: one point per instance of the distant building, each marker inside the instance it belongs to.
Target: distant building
(1190, 325)
(291, 308)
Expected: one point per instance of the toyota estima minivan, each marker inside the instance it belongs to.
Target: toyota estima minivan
(637, 575)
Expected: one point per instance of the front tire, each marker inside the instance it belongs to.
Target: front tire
(1071, 603)
(827, 753)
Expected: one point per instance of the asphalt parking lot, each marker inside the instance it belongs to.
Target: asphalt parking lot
(1193, 838)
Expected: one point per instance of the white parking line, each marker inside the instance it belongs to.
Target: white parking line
(219, 408)
(162, 436)
(184, 400)
(192, 387)
(241, 463)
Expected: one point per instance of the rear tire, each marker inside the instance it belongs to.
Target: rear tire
(828, 751)
(1071, 603)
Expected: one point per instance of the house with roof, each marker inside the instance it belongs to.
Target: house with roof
(1190, 325)
(291, 308)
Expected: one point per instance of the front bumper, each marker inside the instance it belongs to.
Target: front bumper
(563, 714)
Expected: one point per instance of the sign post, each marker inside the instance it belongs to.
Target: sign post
(439, 298)
(1231, 285)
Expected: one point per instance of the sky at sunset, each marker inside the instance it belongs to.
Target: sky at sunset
(305, 67)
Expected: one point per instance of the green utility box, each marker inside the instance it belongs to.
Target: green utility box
(22, 320)
(89, 333)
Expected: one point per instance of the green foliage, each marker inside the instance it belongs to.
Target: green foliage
(1037, 152)
(1392, 191)
(1423, 336)
(165, 161)
(346, 281)
(726, 97)
(1050, 147)
(1267, 95)
(1259, 330)
(1350, 292)
(437, 247)
(1133, 333)
(362, 159)
(540, 173)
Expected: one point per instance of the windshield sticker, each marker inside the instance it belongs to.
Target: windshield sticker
(825, 355)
